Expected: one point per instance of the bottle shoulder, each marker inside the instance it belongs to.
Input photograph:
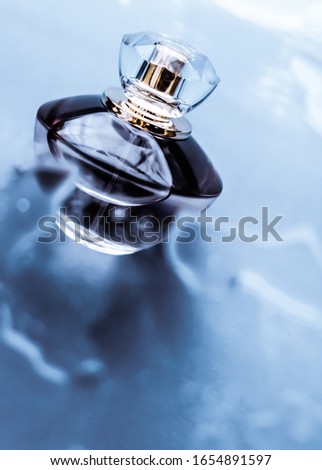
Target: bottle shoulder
(193, 173)
(192, 170)
(113, 161)
(58, 111)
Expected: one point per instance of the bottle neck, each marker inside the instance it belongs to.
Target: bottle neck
(146, 114)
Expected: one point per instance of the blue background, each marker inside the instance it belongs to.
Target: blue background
(190, 346)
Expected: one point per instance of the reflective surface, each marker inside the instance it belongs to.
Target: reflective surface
(116, 162)
(201, 345)
(165, 73)
(127, 187)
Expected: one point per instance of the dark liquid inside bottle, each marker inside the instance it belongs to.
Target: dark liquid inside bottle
(124, 228)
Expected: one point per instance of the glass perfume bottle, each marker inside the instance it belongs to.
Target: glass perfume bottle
(137, 165)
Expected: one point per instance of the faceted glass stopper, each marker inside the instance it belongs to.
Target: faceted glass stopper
(163, 75)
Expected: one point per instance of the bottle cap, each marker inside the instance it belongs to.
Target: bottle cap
(163, 75)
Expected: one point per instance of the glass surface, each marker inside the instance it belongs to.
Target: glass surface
(116, 162)
(130, 185)
(167, 69)
(201, 345)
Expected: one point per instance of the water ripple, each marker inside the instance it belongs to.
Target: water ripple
(286, 304)
(27, 348)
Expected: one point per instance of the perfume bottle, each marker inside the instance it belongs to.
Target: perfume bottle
(136, 165)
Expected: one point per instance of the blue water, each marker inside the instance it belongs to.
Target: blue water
(202, 345)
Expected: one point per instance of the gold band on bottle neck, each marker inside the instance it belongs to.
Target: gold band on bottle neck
(143, 117)
(159, 78)
(162, 72)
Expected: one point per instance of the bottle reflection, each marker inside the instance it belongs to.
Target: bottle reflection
(81, 304)
(122, 329)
